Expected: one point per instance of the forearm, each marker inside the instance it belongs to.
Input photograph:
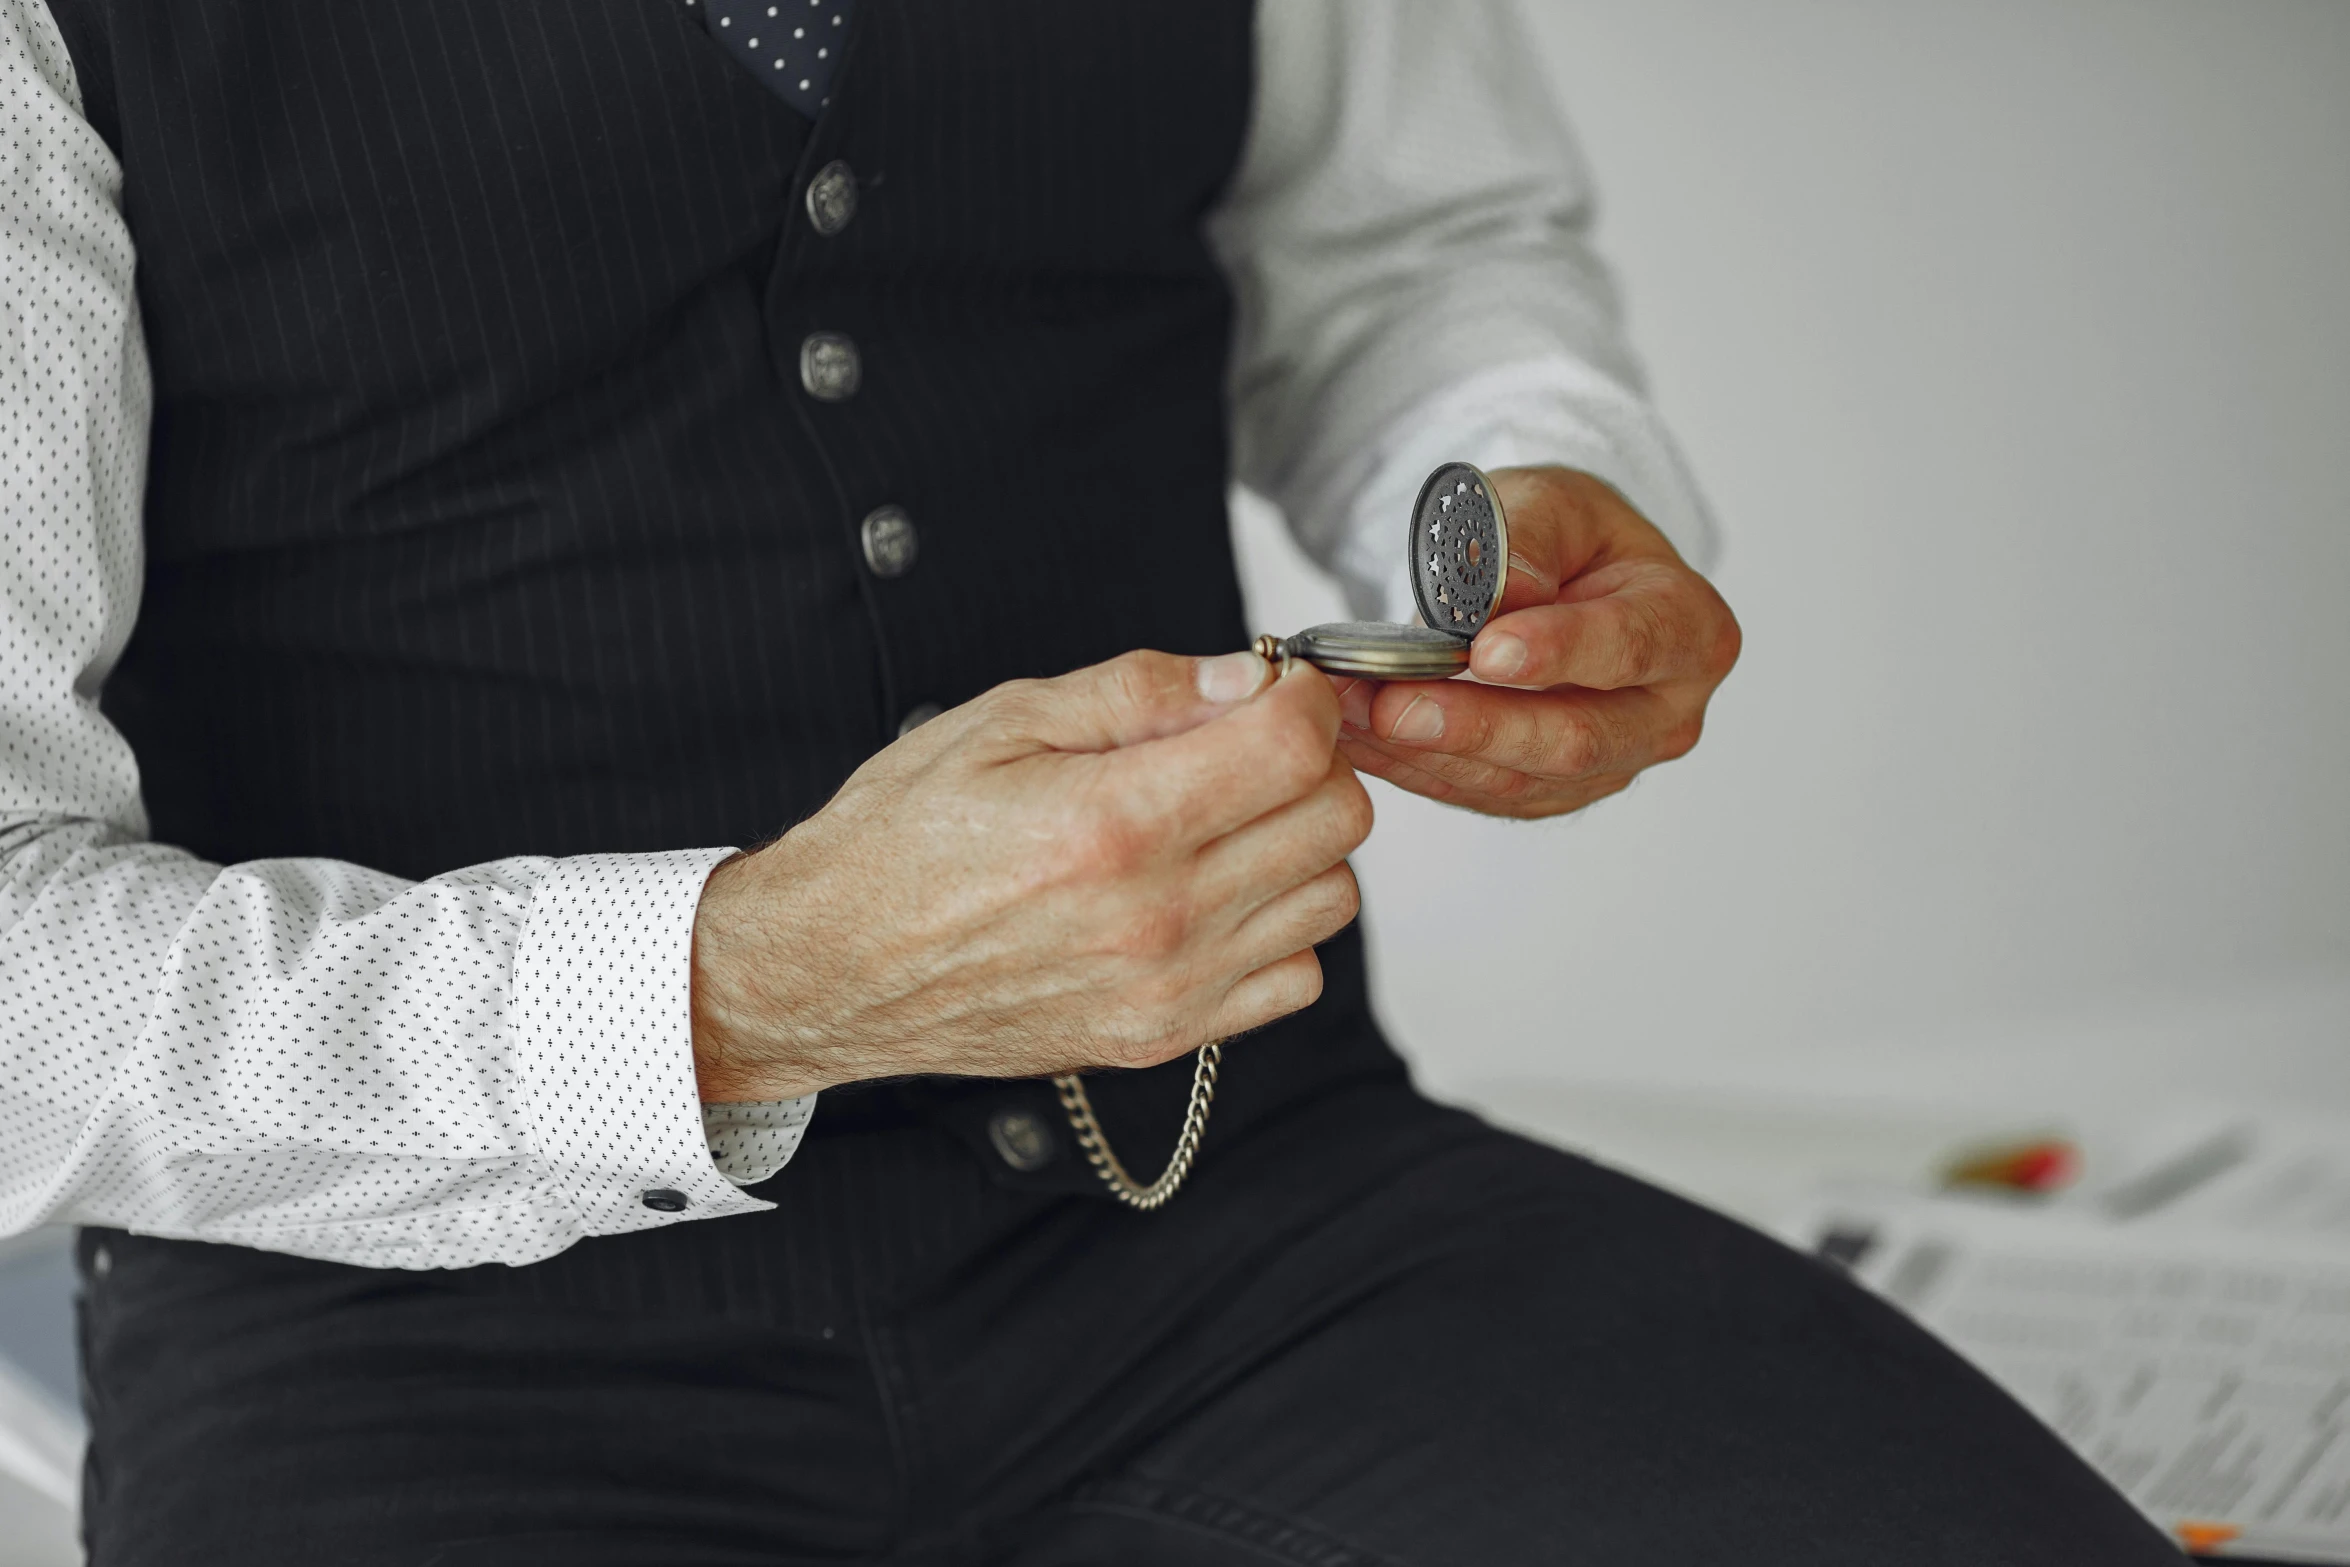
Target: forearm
(1409, 241)
(297, 1054)
(311, 1057)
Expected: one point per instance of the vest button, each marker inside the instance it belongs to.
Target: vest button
(1021, 1139)
(832, 198)
(916, 716)
(830, 367)
(888, 536)
(662, 1199)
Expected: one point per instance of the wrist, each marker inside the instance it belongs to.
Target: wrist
(736, 1054)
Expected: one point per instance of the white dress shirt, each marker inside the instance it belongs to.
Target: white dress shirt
(315, 1057)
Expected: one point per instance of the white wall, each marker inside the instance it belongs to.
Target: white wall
(2012, 343)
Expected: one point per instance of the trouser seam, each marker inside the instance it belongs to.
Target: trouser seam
(1270, 1535)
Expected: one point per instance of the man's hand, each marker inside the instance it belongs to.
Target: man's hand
(1613, 644)
(1107, 869)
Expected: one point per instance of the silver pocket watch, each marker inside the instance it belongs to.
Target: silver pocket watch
(1459, 553)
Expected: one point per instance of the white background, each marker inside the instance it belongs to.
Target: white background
(2011, 342)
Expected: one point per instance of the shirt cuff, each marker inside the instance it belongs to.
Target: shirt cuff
(603, 989)
(750, 1142)
(1554, 410)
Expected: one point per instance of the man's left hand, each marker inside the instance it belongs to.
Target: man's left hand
(1606, 648)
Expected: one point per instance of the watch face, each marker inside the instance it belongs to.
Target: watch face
(1460, 550)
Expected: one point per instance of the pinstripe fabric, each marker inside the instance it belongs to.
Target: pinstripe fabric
(1015, 317)
(476, 516)
(487, 515)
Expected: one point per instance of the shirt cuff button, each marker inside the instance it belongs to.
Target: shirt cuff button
(663, 1199)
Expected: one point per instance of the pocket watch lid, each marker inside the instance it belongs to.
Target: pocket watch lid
(1460, 550)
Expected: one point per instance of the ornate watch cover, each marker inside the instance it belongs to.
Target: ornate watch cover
(1460, 550)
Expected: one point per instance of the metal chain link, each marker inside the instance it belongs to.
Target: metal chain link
(1123, 1186)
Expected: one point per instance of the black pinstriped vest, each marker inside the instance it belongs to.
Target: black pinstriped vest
(488, 513)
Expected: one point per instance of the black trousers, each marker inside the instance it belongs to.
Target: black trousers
(1374, 1331)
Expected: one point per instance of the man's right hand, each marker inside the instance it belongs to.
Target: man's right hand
(1106, 869)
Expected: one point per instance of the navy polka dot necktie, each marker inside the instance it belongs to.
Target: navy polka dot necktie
(790, 45)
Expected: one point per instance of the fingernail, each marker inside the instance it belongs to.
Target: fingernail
(1422, 722)
(1354, 703)
(1499, 655)
(1229, 677)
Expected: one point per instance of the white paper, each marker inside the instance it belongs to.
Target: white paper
(2205, 1373)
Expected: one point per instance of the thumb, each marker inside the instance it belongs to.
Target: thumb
(1137, 697)
(1563, 525)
